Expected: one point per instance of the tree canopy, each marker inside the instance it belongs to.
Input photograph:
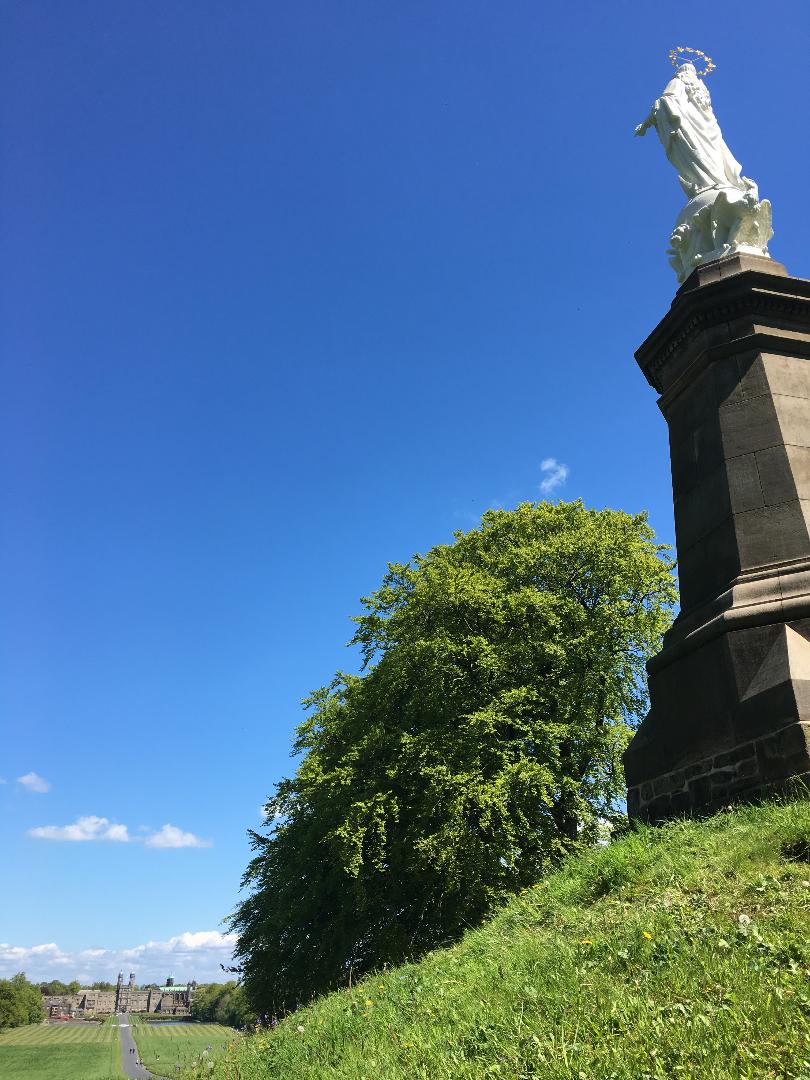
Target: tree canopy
(57, 988)
(222, 1003)
(502, 676)
(20, 1002)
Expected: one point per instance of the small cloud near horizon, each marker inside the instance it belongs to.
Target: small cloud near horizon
(172, 837)
(91, 827)
(555, 473)
(33, 782)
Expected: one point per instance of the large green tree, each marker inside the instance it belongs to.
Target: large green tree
(20, 1002)
(502, 676)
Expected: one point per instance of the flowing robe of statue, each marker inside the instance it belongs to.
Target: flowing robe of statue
(692, 140)
(723, 215)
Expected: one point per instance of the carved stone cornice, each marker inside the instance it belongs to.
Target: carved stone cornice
(704, 316)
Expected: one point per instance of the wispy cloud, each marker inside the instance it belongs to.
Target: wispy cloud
(554, 475)
(84, 828)
(172, 837)
(32, 782)
(192, 954)
(94, 828)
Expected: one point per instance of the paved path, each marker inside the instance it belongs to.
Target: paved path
(130, 1062)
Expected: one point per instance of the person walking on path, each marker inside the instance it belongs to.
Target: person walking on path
(130, 1061)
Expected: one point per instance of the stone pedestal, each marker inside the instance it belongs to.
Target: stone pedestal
(730, 690)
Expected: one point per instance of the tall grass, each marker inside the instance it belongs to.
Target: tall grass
(680, 951)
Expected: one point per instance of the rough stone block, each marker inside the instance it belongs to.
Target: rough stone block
(788, 375)
(753, 380)
(748, 650)
(726, 375)
(776, 477)
(791, 413)
(747, 769)
(699, 793)
(663, 785)
(707, 565)
(772, 534)
(744, 487)
(702, 508)
(694, 452)
(748, 425)
(799, 465)
(722, 777)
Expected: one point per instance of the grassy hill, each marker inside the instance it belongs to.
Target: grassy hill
(681, 951)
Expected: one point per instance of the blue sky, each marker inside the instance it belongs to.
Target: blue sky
(289, 291)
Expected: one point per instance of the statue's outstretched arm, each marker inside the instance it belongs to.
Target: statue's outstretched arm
(648, 121)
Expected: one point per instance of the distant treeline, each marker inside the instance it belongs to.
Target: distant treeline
(20, 1002)
(55, 988)
(222, 1003)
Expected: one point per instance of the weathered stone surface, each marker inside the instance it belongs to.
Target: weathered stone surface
(730, 690)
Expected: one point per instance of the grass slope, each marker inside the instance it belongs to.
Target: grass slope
(680, 951)
(163, 1046)
(61, 1052)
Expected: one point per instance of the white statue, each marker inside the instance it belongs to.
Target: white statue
(724, 214)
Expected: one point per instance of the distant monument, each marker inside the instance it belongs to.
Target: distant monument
(723, 215)
(730, 690)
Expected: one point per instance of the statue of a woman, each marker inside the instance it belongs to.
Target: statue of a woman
(691, 136)
(723, 215)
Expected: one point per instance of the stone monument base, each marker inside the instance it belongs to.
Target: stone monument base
(729, 721)
(730, 691)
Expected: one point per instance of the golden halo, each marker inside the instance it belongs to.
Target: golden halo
(677, 57)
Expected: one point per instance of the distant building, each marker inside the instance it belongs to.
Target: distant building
(168, 1000)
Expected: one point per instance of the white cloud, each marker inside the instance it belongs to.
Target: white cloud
(92, 827)
(555, 475)
(191, 942)
(172, 837)
(14, 958)
(84, 828)
(32, 782)
(190, 955)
